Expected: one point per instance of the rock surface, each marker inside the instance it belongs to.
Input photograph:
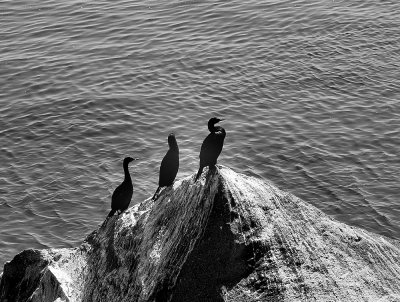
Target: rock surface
(227, 237)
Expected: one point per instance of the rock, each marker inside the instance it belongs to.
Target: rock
(226, 237)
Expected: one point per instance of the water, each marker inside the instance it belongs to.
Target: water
(309, 90)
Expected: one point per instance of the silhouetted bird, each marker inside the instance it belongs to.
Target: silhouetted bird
(123, 193)
(169, 165)
(212, 145)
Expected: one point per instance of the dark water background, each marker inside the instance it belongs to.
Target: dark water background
(309, 89)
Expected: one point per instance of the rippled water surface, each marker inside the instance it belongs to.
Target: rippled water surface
(309, 90)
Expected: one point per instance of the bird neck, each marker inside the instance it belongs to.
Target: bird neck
(173, 146)
(211, 127)
(214, 129)
(126, 172)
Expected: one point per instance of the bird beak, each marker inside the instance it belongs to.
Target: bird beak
(136, 159)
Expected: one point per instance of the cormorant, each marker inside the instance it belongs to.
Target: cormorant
(123, 193)
(212, 145)
(169, 165)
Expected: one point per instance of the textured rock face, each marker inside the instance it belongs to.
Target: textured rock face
(226, 237)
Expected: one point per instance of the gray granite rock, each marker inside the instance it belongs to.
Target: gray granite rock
(226, 237)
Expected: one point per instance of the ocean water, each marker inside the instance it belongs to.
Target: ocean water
(309, 90)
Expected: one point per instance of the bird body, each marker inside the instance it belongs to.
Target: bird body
(212, 145)
(169, 165)
(122, 195)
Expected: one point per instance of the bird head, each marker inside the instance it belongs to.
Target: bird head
(128, 159)
(172, 140)
(214, 120)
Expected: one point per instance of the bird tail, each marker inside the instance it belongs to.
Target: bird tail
(199, 173)
(108, 217)
(112, 212)
(156, 193)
